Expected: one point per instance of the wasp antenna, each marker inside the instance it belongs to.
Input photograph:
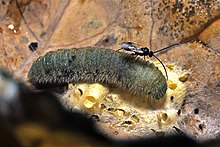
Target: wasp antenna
(163, 49)
(162, 65)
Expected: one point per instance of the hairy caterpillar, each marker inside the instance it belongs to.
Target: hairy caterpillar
(99, 65)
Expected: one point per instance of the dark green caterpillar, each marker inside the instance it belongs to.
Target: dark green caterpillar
(99, 65)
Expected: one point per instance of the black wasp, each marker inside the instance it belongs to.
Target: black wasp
(143, 51)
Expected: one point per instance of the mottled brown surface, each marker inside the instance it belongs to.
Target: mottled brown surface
(210, 36)
(156, 24)
(203, 91)
(177, 21)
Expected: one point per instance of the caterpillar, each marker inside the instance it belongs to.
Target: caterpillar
(99, 65)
